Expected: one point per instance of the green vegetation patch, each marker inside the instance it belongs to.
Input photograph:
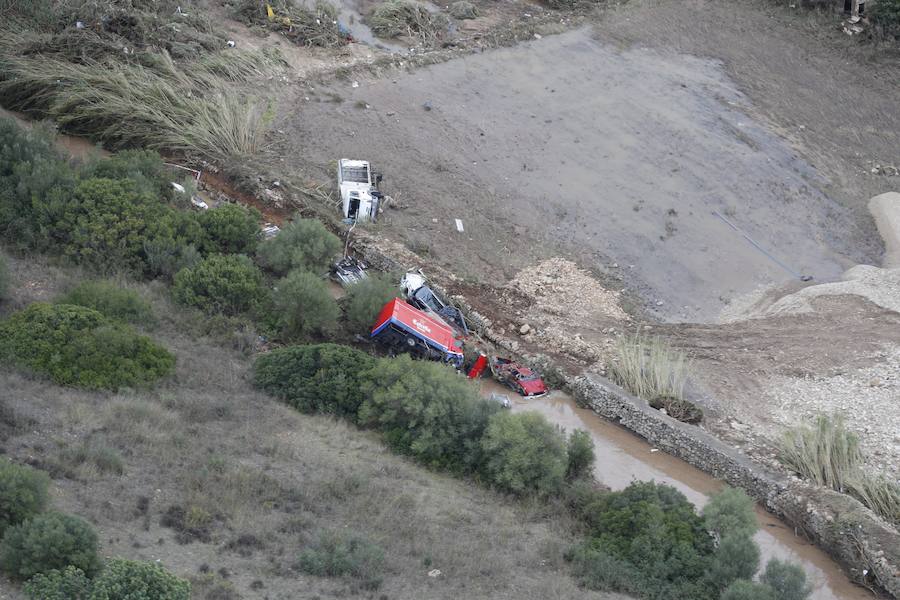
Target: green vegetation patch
(23, 493)
(112, 300)
(230, 284)
(78, 346)
(337, 554)
(46, 542)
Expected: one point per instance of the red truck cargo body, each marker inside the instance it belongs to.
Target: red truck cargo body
(400, 324)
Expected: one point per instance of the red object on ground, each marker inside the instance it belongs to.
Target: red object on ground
(519, 377)
(478, 368)
(398, 315)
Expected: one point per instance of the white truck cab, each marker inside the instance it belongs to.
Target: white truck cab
(359, 189)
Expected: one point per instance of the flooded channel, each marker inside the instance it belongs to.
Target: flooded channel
(623, 457)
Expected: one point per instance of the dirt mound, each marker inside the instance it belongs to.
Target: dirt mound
(885, 208)
(880, 286)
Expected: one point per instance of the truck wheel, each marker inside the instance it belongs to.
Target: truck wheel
(411, 342)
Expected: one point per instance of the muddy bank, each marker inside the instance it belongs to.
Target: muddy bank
(840, 524)
(569, 146)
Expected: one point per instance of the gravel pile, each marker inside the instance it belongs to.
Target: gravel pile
(880, 286)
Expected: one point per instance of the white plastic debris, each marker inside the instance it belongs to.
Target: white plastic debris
(231, 43)
(459, 226)
(178, 187)
(199, 203)
(434, 573)
(355, 84)
(79, 25)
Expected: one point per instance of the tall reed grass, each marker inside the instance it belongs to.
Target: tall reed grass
(649, 368)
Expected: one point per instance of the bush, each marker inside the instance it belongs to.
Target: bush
(886, 14)
(4, 279)
(654, 528)
(580, 455)
(304, 306)
(230, 284)
(144, 168)
(302, 244)
(365, 299)
(524, 454)
(49, 541)
(78, 346)
(731, 512)
(324, 378)
(23, 493)
(133, 580)
(111, 300)
(788, 582)
(230, 229)
(598, 570)
(338, 555)
(425, 410)
(68, 584)
(743, 589)
(394, 18)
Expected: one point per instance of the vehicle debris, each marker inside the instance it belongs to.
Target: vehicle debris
(501, 399)
(348, 271)
(520, 378)
(358, 185)
(414, 288)
(404, 328)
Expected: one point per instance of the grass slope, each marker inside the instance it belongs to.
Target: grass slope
(254, 483)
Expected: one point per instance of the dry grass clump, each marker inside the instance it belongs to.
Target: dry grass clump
(304, 26)
(828, 454)
(125, 105)
(401, 17)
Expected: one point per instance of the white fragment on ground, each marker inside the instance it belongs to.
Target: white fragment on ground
(869, 399)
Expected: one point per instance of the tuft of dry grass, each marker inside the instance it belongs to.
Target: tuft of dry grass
(649, 368)
(394, 18)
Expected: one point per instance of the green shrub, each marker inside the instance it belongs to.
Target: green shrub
(886, 14)
(365, 299)
(133, 580)
(302, 244)
(597, 570)
(737, 557)
(731, 512)
(49, 541)
(113, 301)
(23, 493)
(67, 584)
(579, 454)
(144, 168)
(655, 529)
(324, 378)
(743, 589)
(425, 410)
(4, 279)
(788, 582)
(230, 284)
(230, 229)
(303, 306)
(78, 346)
(339, 555)
(524, 454)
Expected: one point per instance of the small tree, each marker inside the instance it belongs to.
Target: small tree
(737, 557)
(303, 306)
(322, 378)
(580, 454)
(731, 512)
(230, 229)
(68, 584)
(230, 284)
(49, 541)
(23, 493)
(788, 581)
(365, 299)
(743, 589)
(134, 580)
(425, 410)
(302, 244)
(524, 454)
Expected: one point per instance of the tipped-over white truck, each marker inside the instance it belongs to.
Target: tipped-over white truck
(359, 189)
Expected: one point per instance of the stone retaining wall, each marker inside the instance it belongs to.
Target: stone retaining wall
(837, 523)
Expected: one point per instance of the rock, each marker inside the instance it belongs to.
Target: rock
(524, 329)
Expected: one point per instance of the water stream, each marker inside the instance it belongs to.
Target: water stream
(623, 457)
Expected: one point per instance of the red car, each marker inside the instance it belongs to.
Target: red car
(519, 377)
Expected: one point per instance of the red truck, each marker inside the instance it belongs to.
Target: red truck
(404, 328)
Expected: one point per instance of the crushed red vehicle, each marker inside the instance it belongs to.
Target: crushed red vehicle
(404, 328)
(519, 377)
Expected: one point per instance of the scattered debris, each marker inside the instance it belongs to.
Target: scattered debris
(269, 230)
(463, 10)
(349, 270)
(434, 573)
(459, 226)
(359, 189)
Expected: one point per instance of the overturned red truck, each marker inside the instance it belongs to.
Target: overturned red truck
(403, 328)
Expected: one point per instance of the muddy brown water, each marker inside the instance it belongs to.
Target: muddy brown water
(623, 457)
(77, 147)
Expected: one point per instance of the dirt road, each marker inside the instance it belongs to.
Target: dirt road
(572, 146)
